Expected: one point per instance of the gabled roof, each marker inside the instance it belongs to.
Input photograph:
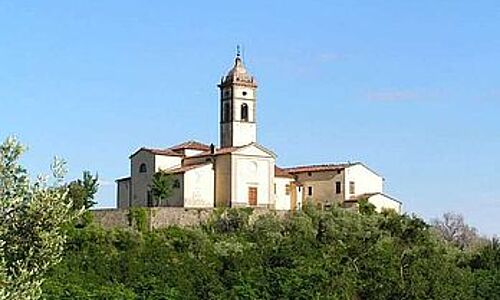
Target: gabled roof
(184, 169)
(318, 168)
(227, 150)
(279, 172)
(368, 195)
(219, 151)
(123, 179)
(191, 145)
(166, 152)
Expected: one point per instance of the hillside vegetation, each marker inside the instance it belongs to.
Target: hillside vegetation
(333, 254)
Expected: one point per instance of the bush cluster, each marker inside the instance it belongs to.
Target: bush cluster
(333, 254)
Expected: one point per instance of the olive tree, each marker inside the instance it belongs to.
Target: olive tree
(33, 214)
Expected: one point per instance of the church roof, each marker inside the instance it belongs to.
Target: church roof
(239, 74)
(191, 145)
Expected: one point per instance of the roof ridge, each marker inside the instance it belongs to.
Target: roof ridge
(324, 165)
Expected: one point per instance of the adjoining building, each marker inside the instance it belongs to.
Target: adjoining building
(243, 173)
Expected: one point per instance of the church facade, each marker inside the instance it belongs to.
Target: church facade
(241, 172)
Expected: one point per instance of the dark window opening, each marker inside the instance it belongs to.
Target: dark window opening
(338, 187)
(309, 174)
(225, 113)
(143, 168)
(244, 112)
(310, 191)
(149, 197)
(287, 189)
(244, 93)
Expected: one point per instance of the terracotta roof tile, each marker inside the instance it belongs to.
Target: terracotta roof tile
(166, 152)
(318, 168)
(193, 145)
(184, 169)
(279, 172)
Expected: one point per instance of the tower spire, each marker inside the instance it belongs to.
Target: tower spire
(238, 51)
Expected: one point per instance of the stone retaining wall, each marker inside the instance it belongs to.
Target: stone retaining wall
(160, 217)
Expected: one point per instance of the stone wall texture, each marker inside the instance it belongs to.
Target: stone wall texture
(161, 217)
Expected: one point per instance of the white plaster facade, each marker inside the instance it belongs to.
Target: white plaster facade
(283, 193)
(241, 172)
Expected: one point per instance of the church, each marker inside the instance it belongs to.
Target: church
(243, 173)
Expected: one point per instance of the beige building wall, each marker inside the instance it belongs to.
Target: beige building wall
(199, 187)
(365, 181)
(223, 180)
(323, 187)
(282, 195)
(123, 194)
(141, 181)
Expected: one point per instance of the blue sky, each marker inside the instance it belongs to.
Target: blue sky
(410, 88)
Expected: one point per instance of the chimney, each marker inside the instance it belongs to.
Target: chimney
(212, 149)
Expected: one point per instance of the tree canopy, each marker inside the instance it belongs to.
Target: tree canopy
(331, 254)
(33, 215)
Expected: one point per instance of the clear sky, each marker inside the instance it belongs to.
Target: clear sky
(411, 88)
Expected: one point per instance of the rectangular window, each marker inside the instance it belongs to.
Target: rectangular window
(309, 190)
(252, 196)
(275, 188)
(338, 187)
(352, 187)
(287, 189)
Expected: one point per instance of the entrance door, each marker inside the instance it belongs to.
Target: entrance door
(252, 196)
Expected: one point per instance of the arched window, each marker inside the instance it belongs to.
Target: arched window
(225, 113)
(244, 112)
(143, 168)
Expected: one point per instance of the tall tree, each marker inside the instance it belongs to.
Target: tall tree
(453, 229)
(162, 187)
(32, 218)
(82, 191)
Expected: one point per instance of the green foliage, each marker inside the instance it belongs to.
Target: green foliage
(138, 216)
(229, 220)
(313, 254)
(33, 216)
(161, 187)
(82, 191)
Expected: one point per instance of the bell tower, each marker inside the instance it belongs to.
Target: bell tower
(238, 123)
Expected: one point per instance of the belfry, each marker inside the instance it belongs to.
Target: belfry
(238, 91)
